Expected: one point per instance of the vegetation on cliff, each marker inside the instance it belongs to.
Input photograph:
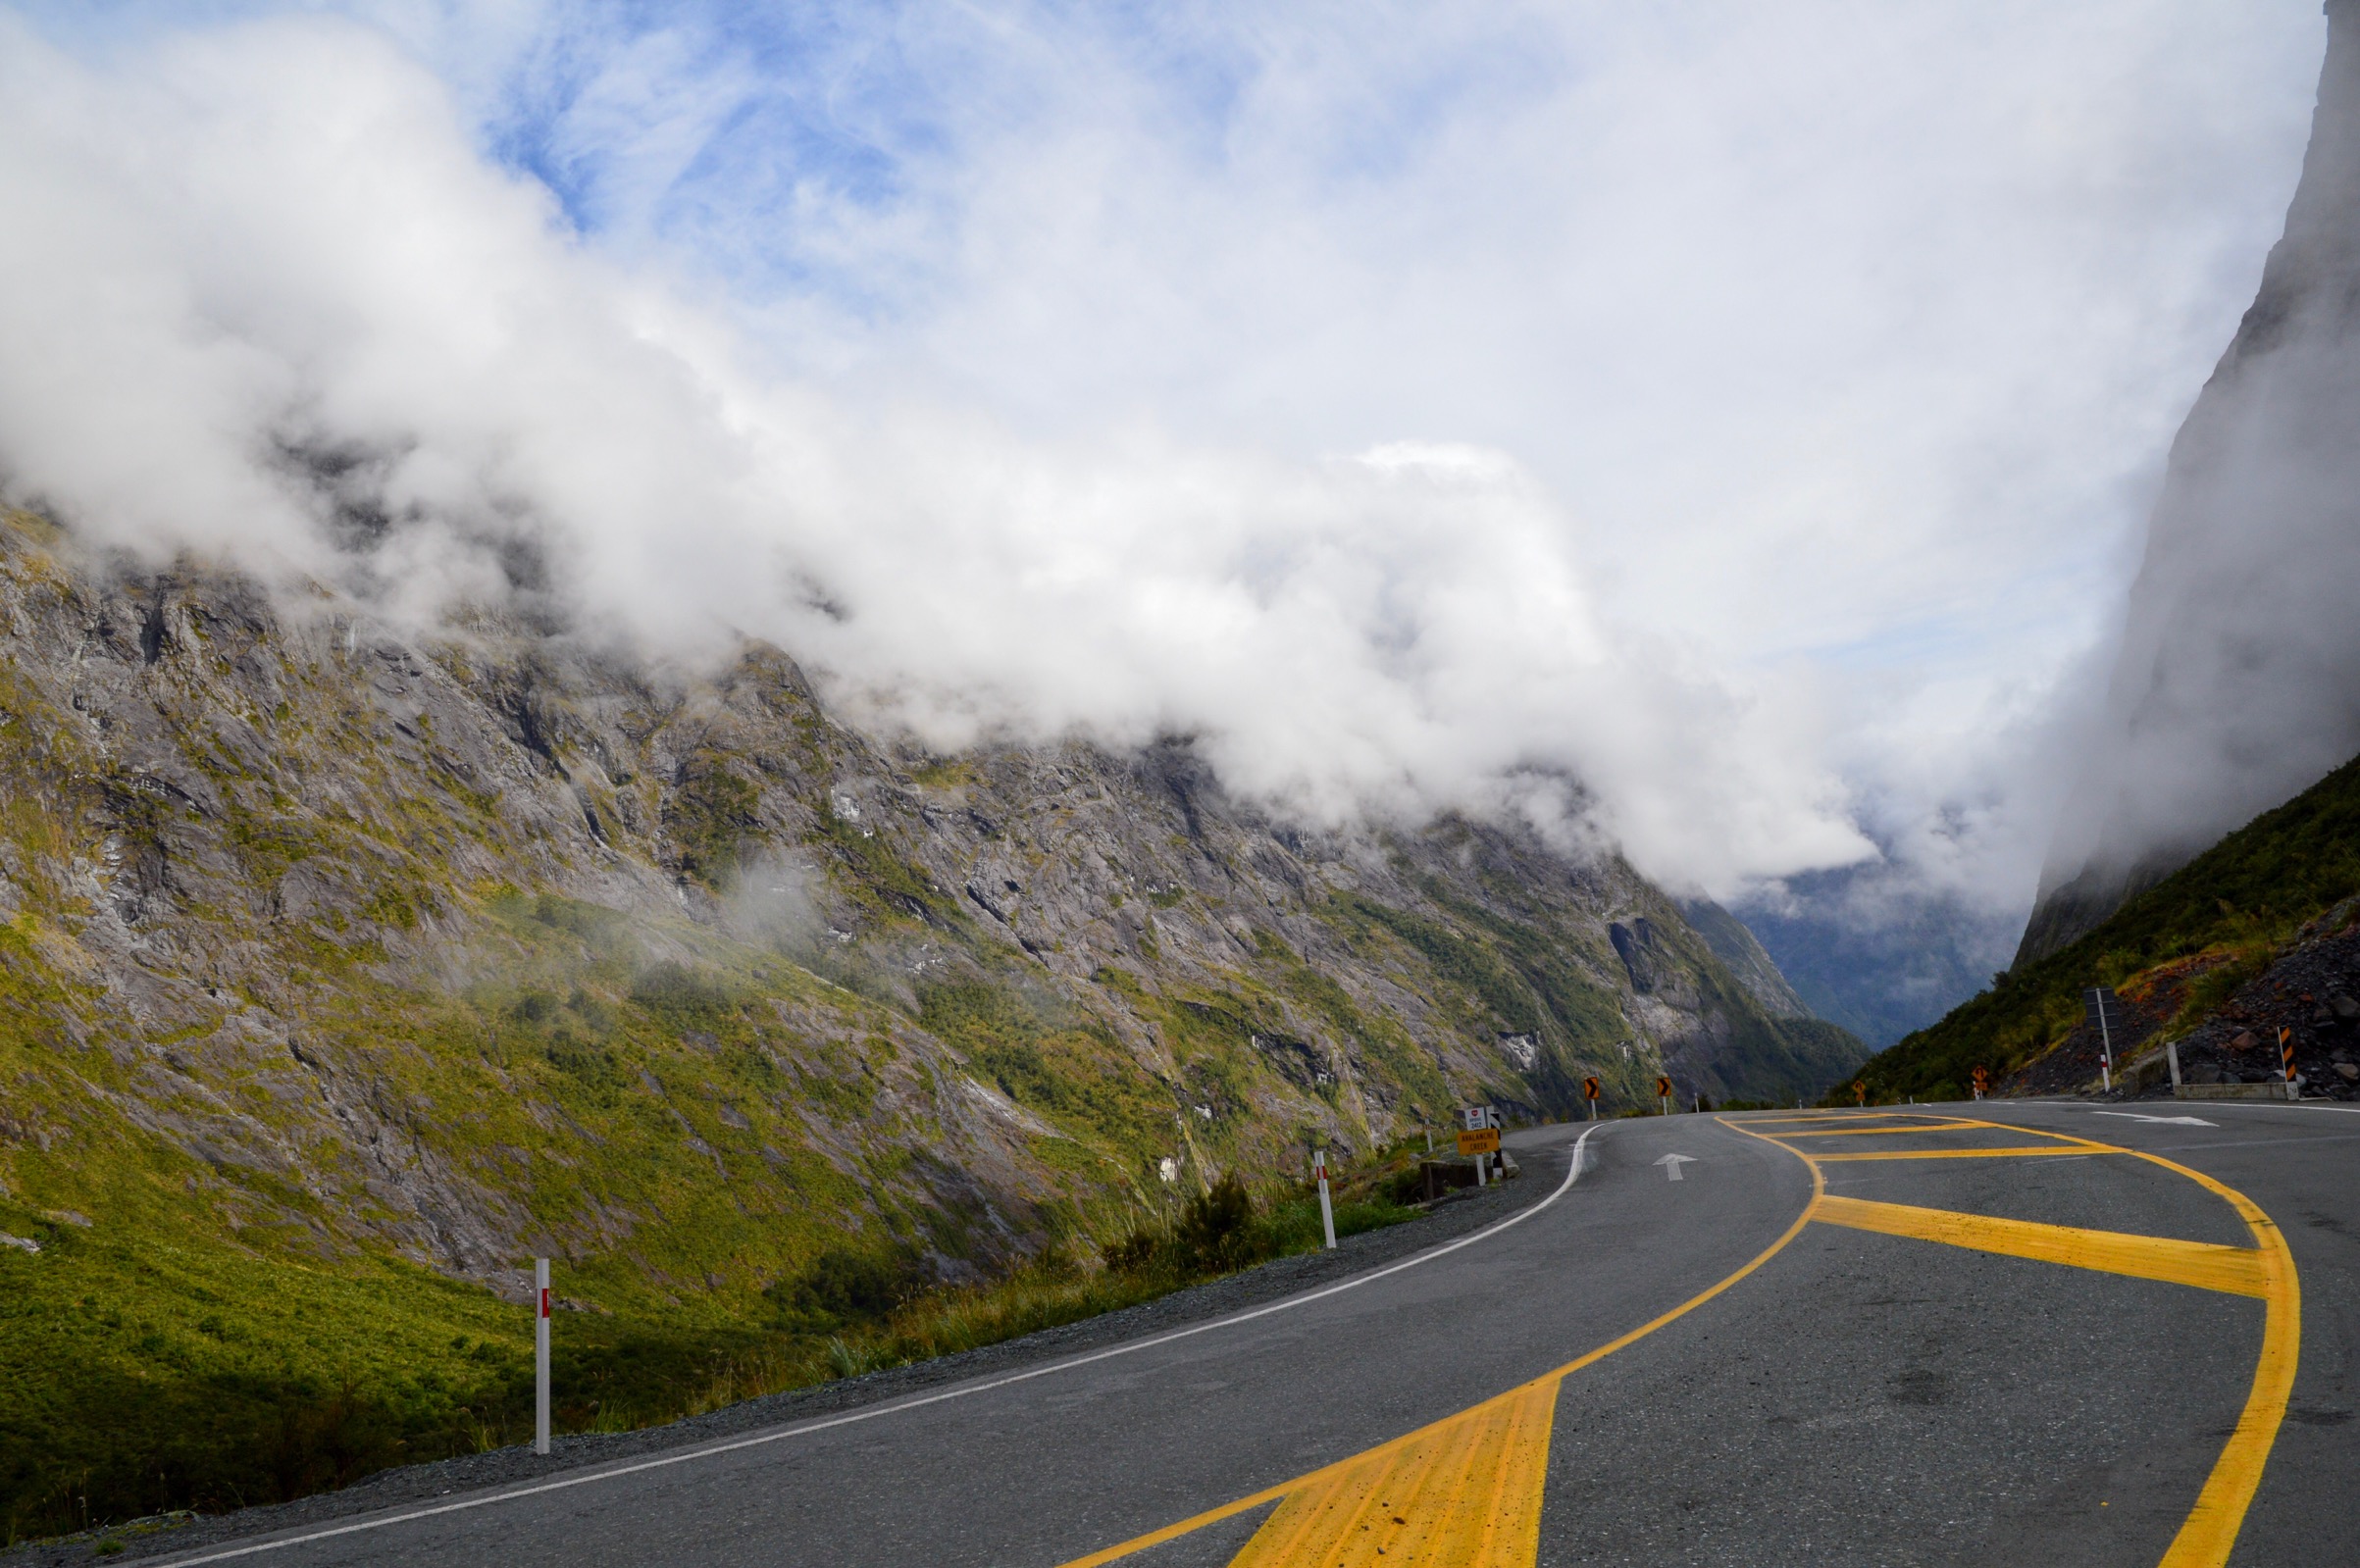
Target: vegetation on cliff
(348, 968)
(2206, 930)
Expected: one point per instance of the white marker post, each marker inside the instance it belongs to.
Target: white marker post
(2099, 1000)
(1327, 1212)
(2171, 1055)
(540, 1355)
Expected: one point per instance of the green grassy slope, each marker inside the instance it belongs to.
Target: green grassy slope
(218, 1327)
(2232, 903)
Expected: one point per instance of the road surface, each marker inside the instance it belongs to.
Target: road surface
(2010, 1333)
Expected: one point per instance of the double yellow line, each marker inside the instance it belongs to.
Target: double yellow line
(1466, 1492)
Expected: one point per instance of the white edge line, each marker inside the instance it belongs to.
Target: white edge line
(1572, 1173)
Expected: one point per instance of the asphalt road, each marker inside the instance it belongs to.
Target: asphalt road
(1880, 1382)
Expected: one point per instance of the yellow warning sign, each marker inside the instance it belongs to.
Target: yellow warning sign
(1485, 1142)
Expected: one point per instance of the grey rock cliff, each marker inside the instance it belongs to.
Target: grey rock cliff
(468, 945)
(2238, 682)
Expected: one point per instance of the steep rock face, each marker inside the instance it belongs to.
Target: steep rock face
(1735, 946)
(324, 940)
(2237, 684)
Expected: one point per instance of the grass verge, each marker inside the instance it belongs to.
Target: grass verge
(212, 1381)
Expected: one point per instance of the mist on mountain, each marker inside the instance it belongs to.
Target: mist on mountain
(2237, 681)
(416, 312)
(283, 313)
(1880, 954)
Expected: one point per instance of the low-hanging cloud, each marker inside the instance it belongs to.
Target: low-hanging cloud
(2238, 680)
(283, 313)
(267, 299)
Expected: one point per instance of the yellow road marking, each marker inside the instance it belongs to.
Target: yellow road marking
(1888, 1132)
(1324, 1533)
(1464, 1494)
(2211, 1526)
(1959, 1153)
(2206, 1265)
(1825, 1117)
(2210, 1531)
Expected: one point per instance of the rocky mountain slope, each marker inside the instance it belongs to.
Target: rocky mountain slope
(2234, 688)
(402, 960)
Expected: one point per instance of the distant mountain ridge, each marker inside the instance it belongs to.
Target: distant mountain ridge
(1734, 943)
(1880, 959)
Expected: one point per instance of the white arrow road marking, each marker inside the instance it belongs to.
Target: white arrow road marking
(1671, 1164)
(2173, 1121)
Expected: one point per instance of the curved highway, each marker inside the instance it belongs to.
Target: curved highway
(2059, 1334)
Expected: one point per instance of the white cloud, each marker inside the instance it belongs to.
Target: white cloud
(1737, 407)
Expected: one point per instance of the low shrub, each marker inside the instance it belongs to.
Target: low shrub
(842, 1287)
(1216, 1232)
